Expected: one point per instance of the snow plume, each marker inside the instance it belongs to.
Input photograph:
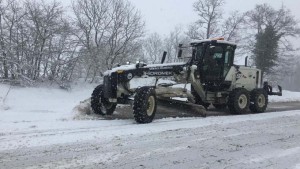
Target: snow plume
(83, 111)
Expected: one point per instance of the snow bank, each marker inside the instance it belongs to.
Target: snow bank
(40, 103)
(4, 91)
(82, 109)
(287, 96)
(41, 107)
(52, 103)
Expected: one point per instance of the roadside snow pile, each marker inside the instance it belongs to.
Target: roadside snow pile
(287, 96)
(83, 111)
(4, 91)
(40, 103)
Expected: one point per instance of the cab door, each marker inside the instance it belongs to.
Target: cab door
(228, 60)
(213, 63)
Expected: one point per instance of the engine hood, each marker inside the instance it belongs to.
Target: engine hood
(157, 67)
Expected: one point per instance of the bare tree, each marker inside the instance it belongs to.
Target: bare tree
(44, 21)
(231, 29)
(107, 30)
(172, 41)
(282, 20)
(153, 48)
(209, 12)
(4, 68)
(154, 45)
(13, 20)
(36, 43)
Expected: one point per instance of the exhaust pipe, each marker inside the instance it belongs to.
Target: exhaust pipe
(164, 57)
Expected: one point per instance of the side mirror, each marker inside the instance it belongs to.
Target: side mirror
(194, 54)
(179, 55)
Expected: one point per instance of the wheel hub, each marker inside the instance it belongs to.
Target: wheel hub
(261, 100)
(242, 101)
(108, 105)
(105, 105)
(151, 105)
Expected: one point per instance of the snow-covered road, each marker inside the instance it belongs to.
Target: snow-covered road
(269, 140)
(37, 130)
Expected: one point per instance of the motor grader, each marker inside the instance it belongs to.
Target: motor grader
(209, 76)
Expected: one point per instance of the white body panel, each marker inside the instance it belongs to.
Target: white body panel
(246, 77)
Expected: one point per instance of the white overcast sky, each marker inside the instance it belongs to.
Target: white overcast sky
(163, 15)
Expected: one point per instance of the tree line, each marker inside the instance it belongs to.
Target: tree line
(43, 42)
(40, 41)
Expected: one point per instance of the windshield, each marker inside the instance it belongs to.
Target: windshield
(192, 51)
(197, 52)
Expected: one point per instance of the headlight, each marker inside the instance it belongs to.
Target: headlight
(120, 71)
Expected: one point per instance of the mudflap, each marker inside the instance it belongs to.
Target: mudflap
(182, 106)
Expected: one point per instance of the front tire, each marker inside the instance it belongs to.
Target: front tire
(238, 101)
(144, 106)
(259, 101)
(101, 105)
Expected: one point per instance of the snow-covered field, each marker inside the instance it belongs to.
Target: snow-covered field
(287, 96)
(43, 128)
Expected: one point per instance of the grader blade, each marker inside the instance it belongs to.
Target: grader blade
(181, 106)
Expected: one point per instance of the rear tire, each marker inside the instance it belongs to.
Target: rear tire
(101, 105)
(259, 101)
(238, 101)
(144, 106)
